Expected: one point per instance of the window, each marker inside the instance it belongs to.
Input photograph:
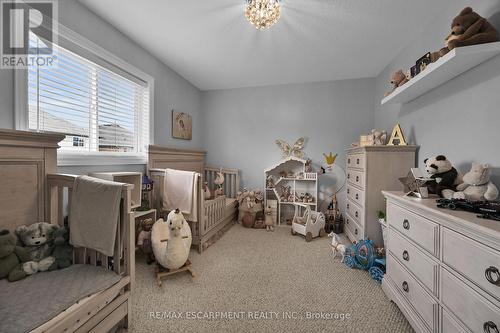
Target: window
(98, 109)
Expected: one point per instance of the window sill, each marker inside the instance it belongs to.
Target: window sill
(72, 159)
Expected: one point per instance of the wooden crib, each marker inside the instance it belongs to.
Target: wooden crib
(32, 192)
(213, 215)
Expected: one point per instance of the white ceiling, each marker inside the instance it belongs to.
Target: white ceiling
(210, 43)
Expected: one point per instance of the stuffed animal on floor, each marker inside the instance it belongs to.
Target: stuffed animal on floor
(144, 240)
(445, 175)
(37, 240)
(476, 185)
(468, 28)
(337, 247)
(398, 79)
(11, 257)
(63, 251)
(268, 219)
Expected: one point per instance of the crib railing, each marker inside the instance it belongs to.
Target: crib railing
(214, 212)
(60, 195)
(231, 184)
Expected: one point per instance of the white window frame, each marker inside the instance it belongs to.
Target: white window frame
(65, 158)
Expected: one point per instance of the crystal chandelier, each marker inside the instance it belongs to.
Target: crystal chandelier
(263, 13)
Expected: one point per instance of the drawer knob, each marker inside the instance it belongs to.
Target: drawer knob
(357, 161)
(348, 191)
(347, 206)
(357, 178)
(348, 176)
(355, 231)
(348, 161)
(357, 196)
(490, 327)
(406, 224)
(405, 286)
(406, 256)
(492, 275)
(357, 215)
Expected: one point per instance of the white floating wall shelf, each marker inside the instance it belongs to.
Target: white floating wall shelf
(456, 62)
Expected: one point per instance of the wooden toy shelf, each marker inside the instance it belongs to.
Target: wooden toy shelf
(456, 62)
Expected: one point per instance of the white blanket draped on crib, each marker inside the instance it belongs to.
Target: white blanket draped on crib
(181, 191)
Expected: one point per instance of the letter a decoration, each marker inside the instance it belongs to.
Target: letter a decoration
(397, 137)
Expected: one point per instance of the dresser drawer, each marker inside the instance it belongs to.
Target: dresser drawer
(475, 311)
(356, 212)
(424, 232)
(415, 260)
(477, 262)
(356, 195)
(353, 228)
(356, 161)
(450, 325)
(424, 304)
(356, 177)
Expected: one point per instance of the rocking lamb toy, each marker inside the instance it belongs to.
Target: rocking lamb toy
(311, 224)
(171, 241)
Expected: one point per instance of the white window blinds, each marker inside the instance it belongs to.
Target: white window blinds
(98, 109)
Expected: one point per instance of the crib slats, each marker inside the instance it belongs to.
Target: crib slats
(60, 205)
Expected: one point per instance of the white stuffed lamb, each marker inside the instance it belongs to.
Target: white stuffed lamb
(476, 185)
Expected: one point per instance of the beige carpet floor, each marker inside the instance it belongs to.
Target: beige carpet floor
(259, 281)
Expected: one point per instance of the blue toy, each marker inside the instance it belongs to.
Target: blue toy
(362, 256)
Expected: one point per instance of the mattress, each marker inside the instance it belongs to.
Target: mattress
(29, 303)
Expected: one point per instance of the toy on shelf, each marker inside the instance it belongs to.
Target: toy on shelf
(311, 224)
(336, 246)
(270, 181)
(362, 255)
(398, 79)
(468, 28)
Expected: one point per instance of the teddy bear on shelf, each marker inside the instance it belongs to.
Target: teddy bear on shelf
(37, 240)
(379, 137)
(398, 79)
(63, 251)
(468, 28)
(476, 185)
(11, 257)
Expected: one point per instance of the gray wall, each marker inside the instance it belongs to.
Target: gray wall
(243, 124)
(171, 90)
(460, 118)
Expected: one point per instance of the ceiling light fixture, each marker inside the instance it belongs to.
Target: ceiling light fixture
(263, 14)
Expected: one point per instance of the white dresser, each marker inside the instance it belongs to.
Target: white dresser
(442, 266)
(370, 170)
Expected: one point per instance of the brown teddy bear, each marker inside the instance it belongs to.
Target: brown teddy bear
(397, 80)
(468, 28)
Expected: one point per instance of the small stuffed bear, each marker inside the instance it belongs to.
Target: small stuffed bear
(63, 251)
(144, 240)
(468, 28)
(268, 221)
(11, 257)
(445, 175)
(379, 137)
(397, 80)
(477, 185)
(37, 240)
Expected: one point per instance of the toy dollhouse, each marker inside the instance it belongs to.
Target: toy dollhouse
(290, 184)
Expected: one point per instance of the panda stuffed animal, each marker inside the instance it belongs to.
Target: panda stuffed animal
(445, 175)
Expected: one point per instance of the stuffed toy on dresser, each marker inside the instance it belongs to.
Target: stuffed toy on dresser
(446, 177)
(476, 185)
